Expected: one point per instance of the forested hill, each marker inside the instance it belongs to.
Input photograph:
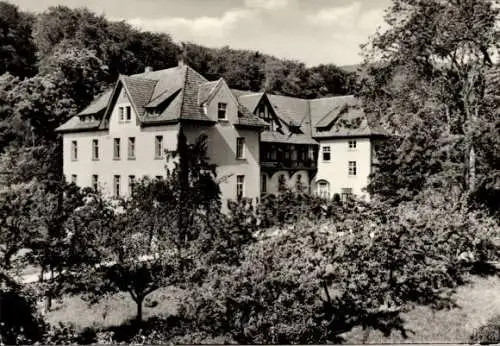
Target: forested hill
(27, 40)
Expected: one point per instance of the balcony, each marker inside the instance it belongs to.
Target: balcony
(290, 157)
(307, 164)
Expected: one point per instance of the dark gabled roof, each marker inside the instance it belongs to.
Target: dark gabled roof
(293, 111)
(248, 119)
(163, 96)
(75, 124)
(276, 137)
(140, 91)
(190, 109)
(337, 106)
(80, 122)
(206, 90)
(99, 103)
(341, 116)
(321, 107)
(238, 92)
(249, 100)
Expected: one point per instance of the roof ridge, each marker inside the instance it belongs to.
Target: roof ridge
(328, 114)
(289, 97)
(183, 90)
(309, 115)
(193, 70)
(253, 93)
(332, 97)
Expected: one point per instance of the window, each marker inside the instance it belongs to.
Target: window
(352, 144)
(131, 183)
(116, 149)
(346, 194)
(131, 148)
(310, 154)
(287, 152)
(240, 148)
(116, 186)
(323, 188)
(159, 177)
(95, 149)
(326, 154)
(122, 113)
(221, 111)
(263, 184)
(262, 113)
(73, 178)
(74, 151)
(158, 146)
(240, 180)
(95, 182)
(294, 152)
(352, 168)
(128, 113)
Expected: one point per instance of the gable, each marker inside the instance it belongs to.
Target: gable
(222, 94)
(122, 113)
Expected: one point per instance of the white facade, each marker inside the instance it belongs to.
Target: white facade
(106, 166)
(221, 142)
(112, 171)
(347, 169)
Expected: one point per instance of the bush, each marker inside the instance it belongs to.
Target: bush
(487, 334)
(20, 323)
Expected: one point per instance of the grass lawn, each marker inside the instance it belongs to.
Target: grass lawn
(119, 307)
(478, 302)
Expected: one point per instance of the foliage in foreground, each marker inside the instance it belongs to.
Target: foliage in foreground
(309, 284)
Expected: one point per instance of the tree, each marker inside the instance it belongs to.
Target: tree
(17, 50)
(52, 205)
(25, 326)
(15, 209)
(151, 239)
(431, 62)
(313, 282)
(128, 259)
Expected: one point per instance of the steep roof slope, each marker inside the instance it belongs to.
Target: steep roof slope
(159, 97)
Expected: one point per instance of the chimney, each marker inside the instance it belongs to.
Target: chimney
(182, 55)
(148, 69)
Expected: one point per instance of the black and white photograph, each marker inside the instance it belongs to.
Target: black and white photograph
(271, 172)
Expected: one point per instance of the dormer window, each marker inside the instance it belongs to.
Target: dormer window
(221, 111)
(125, 113)
(128, 113)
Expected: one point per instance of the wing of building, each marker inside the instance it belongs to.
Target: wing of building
(261, 143)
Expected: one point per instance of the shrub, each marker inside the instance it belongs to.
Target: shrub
(487, 334)
(20, 323)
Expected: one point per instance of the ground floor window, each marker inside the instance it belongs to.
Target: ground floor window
(95, 182)
(240, 181)
(323, 188)
(346, 194)
(116, 186)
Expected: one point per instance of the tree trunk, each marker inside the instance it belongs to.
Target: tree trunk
(49, 293)
(139, 302)
(472, 169)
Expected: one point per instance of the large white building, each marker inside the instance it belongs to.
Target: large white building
(260, 142)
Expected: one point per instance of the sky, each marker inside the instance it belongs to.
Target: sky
(312, 31)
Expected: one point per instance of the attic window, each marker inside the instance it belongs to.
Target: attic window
(294, 128)
(221, 111)
(128, 113)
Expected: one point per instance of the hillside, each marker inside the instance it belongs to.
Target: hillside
(126, 50)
